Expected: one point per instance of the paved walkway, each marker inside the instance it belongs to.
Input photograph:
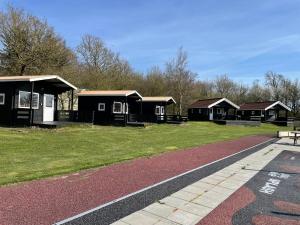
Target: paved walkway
(51, 200)
(192, 204)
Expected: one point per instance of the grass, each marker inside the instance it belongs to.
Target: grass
(27, 154)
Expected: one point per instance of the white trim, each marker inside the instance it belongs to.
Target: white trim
(50, 77)
(25, 107)
(121, 110)
(154, 185)
(279, 103)
(125, 108)
(99, 108)
(111, 94)
(166, 99)
(3, 95)
(162, 110)
(226, 100)
(134, 92)
(40, 78)
(157, 107)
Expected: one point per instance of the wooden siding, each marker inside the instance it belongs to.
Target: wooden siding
(11, 114)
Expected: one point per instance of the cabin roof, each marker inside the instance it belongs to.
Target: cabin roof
(124, 93)
(262, 105)
(55, 79)
(208, 103)
(168, 99)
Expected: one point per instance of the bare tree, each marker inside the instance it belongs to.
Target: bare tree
(225, 87)
(258, 93)
(180, 79)
(274, 82)
(295, 96)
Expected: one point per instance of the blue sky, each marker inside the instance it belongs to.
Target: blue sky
(241, 38)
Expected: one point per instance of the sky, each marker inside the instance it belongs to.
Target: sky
(241, 38)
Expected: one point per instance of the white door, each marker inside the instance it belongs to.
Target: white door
(211, 114)
(48, 108)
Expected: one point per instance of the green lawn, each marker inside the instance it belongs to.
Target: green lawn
(27, 154)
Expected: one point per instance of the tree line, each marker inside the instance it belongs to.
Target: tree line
(30, 45)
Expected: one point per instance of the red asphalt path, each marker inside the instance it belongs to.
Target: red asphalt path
(50, 200)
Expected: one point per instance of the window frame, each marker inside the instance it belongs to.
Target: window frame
(52, 101)
(125, 108)
(253, 113)
(121, 108)
(3, 95)
(162, 110)
(271, 112)
(28, 107)
(99, 107)
(157, 107)
(220, 111)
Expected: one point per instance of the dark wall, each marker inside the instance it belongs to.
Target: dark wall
(196, 115)
(149, 110)
(10, 113)
(88, 109)
(281, 114)
(6, 109)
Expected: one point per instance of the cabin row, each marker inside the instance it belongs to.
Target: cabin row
(122, 107)
(223, 109)
(33, 100)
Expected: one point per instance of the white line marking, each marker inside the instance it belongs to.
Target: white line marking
(154, 185)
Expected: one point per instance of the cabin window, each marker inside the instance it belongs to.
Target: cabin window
(243, 112)
(220, 111)
(199, 110)
(101, 106)
(117, 107)
(271, 113)
(157, 110)
(49, 101)
(162, 110)
(252, 113)
(24, 100)
(2, 98)
(125, 108)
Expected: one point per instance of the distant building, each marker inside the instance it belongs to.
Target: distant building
(212, 109)
(264, 111)
(154, 108)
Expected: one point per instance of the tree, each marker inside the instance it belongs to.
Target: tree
(180, 79)
(295, 96)
(95, 55)
(225, 87)
(274, 82)
(154, 83)
(102, 68)
(258, 93)
(29, 45)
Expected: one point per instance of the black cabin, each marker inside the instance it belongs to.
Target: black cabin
(154, 109)
(212, 109)
(30, 100)
(269, 111)
(118, 107)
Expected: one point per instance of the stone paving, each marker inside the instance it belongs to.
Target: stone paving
(189, 205)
